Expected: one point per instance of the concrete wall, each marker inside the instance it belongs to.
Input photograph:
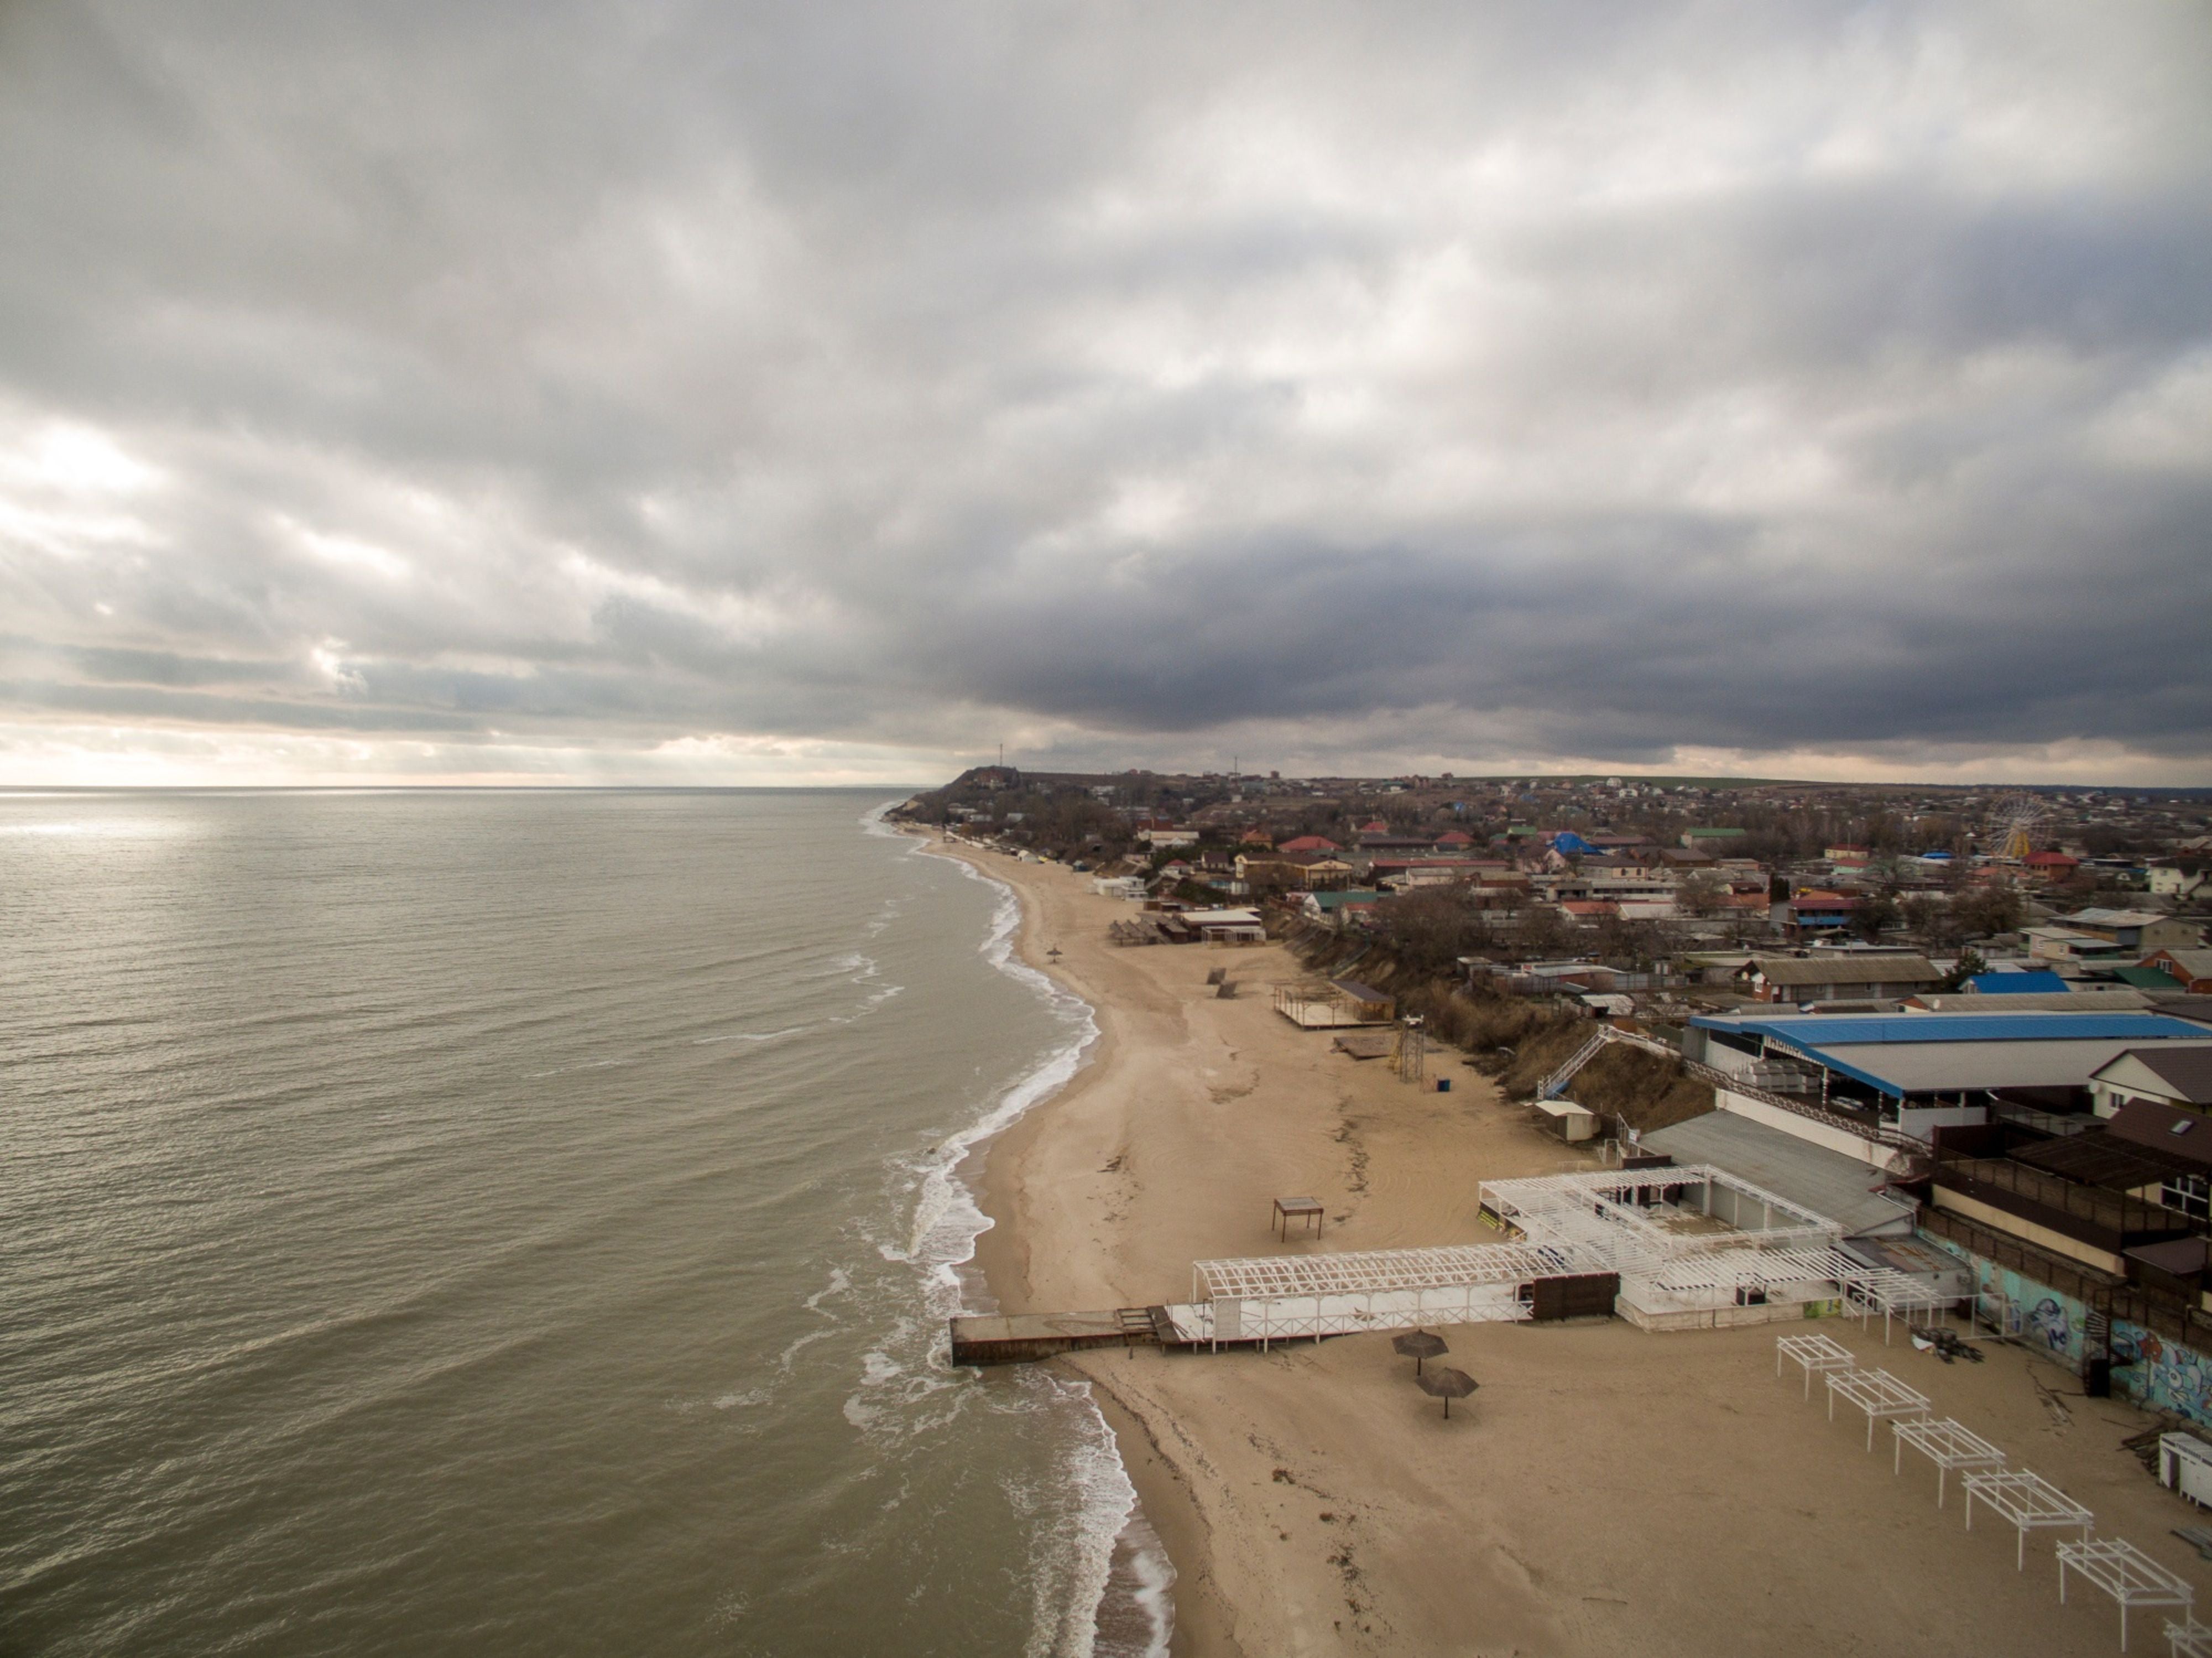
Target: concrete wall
(2147, 1369)
(1919, 1122)
(1872, 1153)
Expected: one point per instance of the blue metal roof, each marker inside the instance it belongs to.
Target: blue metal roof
(2017, 984)
(1806, 1031)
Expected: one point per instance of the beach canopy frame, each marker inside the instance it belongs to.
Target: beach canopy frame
(1269, 1298)
(1894, 1294)
(2187, 1639)
(2026, 1501)
(1947, 1444)
(1877, 1392)
(1815, 1353)
(2125, 1572)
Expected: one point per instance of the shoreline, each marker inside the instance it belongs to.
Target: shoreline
(1002, 1260)
(1608, 1489)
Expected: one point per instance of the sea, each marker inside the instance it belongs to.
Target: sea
(524, 1223)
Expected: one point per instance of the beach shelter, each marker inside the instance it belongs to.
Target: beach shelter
(1445, 1383)
(1418, 1345)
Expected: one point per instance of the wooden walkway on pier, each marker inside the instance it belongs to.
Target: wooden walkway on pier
(1018, 1337)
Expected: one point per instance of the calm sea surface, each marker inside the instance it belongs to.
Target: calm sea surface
(520, 1223)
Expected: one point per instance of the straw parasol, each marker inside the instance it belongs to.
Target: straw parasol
(1445, 1383)
(1418, 1345)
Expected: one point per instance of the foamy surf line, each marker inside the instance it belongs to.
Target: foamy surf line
(1115, 1550)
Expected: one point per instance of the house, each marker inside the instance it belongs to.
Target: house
(2178, 1078)
(1818, 912)
(2051, 868)
(1227, 926)
(1337, 908)
(2192, 969)
(1710, 840)
(2017, 983)
(1454, 840)
(2172, 881)
(1839, 976)
(1851, 857)
(2066, 946)
(1589, 911)
(2137, 929)
(1308, 843)
(1167, 835)
(1256, 837)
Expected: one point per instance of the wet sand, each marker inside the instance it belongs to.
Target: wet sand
(1607, 1490)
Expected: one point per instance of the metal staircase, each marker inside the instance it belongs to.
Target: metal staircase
(1895, 1139)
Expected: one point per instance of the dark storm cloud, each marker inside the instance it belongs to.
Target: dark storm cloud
(1597, 382)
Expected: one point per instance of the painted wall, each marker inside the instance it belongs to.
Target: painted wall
(2147, 1369)
(2162, 1375)
(2052, 1323)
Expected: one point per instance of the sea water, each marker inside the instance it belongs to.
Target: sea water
(522, 1223)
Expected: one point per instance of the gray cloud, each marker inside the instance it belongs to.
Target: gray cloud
(1609, 381)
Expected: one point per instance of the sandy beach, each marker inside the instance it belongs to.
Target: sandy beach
(1607, 1491)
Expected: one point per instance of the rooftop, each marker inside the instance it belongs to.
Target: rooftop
(1825, 1182)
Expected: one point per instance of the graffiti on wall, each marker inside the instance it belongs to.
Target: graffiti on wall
(2157, 1374)
(2160, 1373)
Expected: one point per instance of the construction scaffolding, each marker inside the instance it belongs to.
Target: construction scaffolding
(2127, 1574)
(2026, 1501)
(1948, 1445)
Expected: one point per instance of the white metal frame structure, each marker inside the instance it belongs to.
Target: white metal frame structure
(2025, 1500)
(1948, 1445)
(1277, 1297)
(2125, 1572)
(1878, 1394)
(1894, 1294)
(1617, 1221)
(1625, 1210)
(2187, 1639)
(1815, 1352)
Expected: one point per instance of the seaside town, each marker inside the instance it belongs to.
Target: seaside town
(1830, 1059)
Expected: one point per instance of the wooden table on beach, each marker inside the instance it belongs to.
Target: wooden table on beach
(1287, 1208)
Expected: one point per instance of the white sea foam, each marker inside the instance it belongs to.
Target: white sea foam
(1072, 1559)
(752, 1036)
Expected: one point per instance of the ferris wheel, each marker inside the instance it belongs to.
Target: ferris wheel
(2013, 826)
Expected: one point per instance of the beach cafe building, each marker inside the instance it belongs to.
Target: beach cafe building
(1915, 1072)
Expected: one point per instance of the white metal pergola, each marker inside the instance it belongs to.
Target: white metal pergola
(2026, 1501)
(1277, 1297)
(1878, 1394)
(1947, 1444)
(2125, 1572)
(1627, 1209)
(1815, 1353)
(1894, 1294)
(2187, 1638)
(1673, 1231)
(1706, 1275)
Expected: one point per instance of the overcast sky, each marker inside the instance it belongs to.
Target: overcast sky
(833, 391)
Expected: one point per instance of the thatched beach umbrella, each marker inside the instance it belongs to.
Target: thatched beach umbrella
(1445, 1383)
(1418, 1345)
